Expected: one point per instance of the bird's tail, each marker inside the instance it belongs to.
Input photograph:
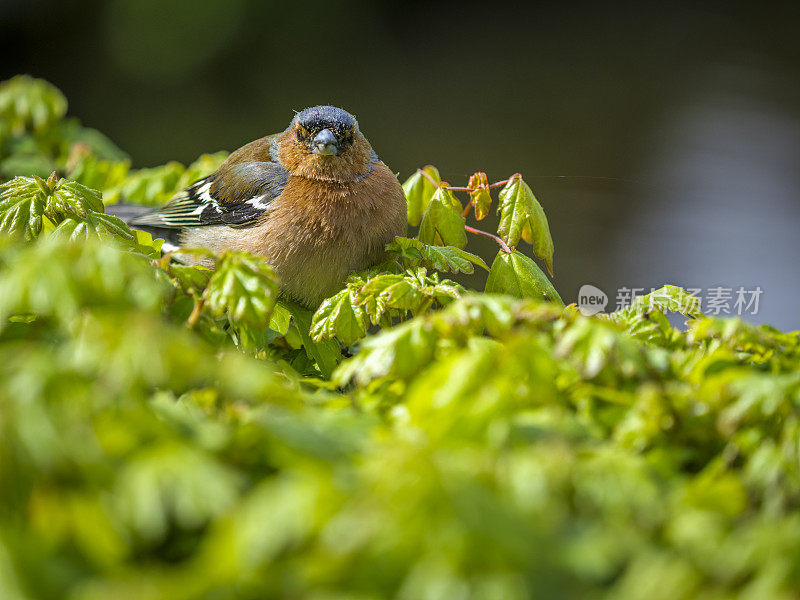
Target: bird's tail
(141, 217)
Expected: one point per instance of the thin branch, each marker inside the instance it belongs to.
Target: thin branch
(428, 177)
(503, 245)
(499, 183)
(465, 212)
(464, 189)
(196, 312)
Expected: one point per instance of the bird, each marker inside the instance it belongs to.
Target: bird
(315, 201)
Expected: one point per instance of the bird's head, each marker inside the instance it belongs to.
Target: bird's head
(324, 142)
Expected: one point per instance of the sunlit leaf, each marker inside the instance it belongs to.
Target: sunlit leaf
(442, 223)
(440, 258)
(339, 316)
(280, 318)
(244, 287)
(419, 190)
(519, 276)
(325, 353)
(522, 217)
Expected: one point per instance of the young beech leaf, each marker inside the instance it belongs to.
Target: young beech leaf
(481, 197)
(95, 225)
(402, 350)
(325, 353)
(25, 200)
(189, 279)
(520, 276)
(67, 198)
(440, 258)
(244, 287)
(522, 217)
(340, 316)
(144, 243)
(442, 223)
(21, 208)
(419, 191)
(280, 318)
(413, 291)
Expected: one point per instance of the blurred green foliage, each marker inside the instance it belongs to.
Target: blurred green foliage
(171, 431)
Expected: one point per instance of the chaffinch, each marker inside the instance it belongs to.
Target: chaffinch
(315, 200)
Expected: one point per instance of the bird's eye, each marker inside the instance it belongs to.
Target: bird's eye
(302, 134)
(347, 137)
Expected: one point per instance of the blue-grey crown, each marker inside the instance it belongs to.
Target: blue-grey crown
(322, 117)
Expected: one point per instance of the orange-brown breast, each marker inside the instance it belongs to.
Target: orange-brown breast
(319, 232)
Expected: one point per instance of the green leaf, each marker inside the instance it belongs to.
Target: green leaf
(191, 279)
(144, 243)
(26, 201)
(442, 223)
(170, 482)
(340, 316)
(244, 287)
(30, 104)
(413, 291)
(402, 350)
(280, 318)
(68, 198)
(520, 276)
(441, 258)
(325, 353)
(95, 225)
(21, 207)
(61, 280)
(522, 217)
(419, 191)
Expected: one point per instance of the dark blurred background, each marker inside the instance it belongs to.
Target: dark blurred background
(663, 143)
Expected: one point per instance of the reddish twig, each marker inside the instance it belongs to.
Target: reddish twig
(462, 189)
(503, 245)
(470, 190)
(499, 183)
(497, 239)
(196, 312)
(428, 177)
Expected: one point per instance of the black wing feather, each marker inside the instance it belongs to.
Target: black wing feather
(236, 196)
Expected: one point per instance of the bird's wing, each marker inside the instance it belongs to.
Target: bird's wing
(236, 196)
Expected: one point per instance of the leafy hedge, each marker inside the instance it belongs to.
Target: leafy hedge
(411, 439)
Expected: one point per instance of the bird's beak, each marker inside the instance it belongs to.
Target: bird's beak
(325, 143)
